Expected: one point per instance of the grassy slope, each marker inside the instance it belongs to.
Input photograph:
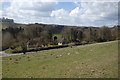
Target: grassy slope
(5, 25)
(98, 60)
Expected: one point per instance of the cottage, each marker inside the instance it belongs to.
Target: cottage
(59, 43)
(62, 41)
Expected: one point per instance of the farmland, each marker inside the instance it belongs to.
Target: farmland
(89, 61)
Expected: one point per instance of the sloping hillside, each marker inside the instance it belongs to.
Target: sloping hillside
(89, 61)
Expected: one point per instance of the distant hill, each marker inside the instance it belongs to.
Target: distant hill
(56, 28)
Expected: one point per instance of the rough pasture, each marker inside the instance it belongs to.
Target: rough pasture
(89, 61)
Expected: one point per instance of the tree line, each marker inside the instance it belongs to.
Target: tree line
(38, 35)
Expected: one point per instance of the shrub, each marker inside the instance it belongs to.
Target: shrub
(12, 51)
(9, 51)
(84, 42)
(24, 47)
(52, 45)
(71, 44)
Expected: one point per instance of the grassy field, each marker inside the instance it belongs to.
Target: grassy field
(89, 61)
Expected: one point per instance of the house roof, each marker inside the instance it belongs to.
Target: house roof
(62, 40)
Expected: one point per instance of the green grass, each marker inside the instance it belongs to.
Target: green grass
(89, 61)
(0, 68)
(59, 36)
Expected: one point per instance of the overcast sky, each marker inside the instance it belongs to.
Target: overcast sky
(79, 13)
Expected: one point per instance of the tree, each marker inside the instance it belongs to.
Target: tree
(24, 47)
(105, 33)
(86, 35)
(114, 32)
(66, 34)
(14, 31)
(73, 35)
(46, 37)
(7, 40)
(80, 35)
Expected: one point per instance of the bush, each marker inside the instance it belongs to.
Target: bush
(101, 40)
(9, 51)
(24, 48)
(52, 45)
(12, 51)
(71, 44)
(78, 43)
(84, 42)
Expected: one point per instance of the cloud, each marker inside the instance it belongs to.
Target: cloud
(1, 13)
(88, 13)
(101, 12)
(29, 9)
(75, 12)
(61, 13)
(85, 14)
